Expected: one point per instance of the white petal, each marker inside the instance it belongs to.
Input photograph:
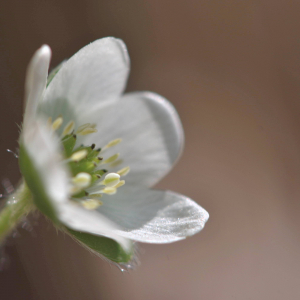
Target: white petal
(95, 74)
(152, 216)
(44, 152)
(35, 82)
(92, 222)
(151, 133)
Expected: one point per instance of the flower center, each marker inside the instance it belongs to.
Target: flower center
(90, 180)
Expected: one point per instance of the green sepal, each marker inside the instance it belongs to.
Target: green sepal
(103, 245)
(36, 186)
(69, 142)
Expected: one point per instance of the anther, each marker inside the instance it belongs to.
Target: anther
(121, 183)
(112, 143)
(68, 128)
(79, 155)
(111, 159)
(123, 171)
(99, 176)
(82, 180)
(57, 123)
(80, 128)
(109, 190)
(93, 146)
(100, 158)
(87, 130)
(111, 180)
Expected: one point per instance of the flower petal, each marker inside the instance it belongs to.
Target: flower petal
(151, 133)
(96, 73)
(92, 222)
(152, 216)
(35, 82)
(41, 166)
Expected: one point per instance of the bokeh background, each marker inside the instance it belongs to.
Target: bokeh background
(232, 70)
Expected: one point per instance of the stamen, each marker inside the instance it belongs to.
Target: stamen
(112, 143)
(121, 183)
(111, 180)
(82, 180)
(57, 123)
(93, 146)
(109, 190)
(87, 130)
(68, 128)
(80, 128)
(91, 204)
(123, 171)
(79, 155)
(111, 159)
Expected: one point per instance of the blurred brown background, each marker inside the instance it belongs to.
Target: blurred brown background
(232, 70)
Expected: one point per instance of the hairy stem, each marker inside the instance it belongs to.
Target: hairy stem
(18, 205)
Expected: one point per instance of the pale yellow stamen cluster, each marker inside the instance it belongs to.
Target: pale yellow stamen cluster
(69, 128)
(83, 180)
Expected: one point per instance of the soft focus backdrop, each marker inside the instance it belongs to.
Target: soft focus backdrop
(232, 70)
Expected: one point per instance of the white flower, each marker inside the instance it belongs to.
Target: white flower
(143, 137)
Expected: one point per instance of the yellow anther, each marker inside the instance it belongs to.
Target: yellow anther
(111, 159)
(121, 183)
(79, 155)
(109, 190)
(111, 180)
(82, 180)
(57, 123)
(80, 128)
(91, 204)
(68, 128)
(87, 130)
(112, 143)
(123, 171)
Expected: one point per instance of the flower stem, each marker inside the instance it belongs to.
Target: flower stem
(16, 207)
